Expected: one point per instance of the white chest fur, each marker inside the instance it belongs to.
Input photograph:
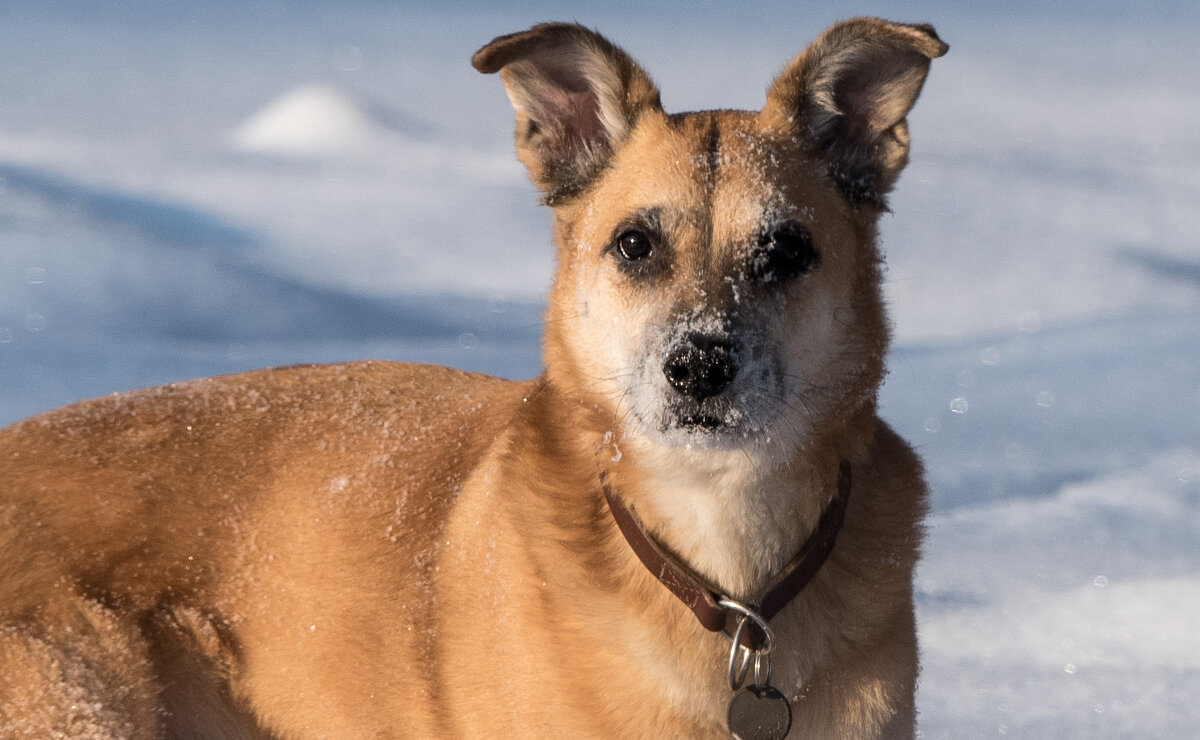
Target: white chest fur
(732, 518)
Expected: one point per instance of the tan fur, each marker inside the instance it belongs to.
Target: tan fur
(387, 550)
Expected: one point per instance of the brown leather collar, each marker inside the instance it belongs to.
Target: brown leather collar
(703, 599)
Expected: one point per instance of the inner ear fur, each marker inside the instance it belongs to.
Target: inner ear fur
(576, 95)
(850, 92)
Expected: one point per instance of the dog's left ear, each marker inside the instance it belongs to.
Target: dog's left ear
(577, 97)
(850, 91)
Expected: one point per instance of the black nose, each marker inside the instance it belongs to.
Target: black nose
(701, 367)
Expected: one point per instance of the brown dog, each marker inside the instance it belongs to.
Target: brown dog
(386, 550)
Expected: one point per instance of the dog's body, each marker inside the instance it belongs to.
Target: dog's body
(383, 550)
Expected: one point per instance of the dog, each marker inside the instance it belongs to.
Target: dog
(692, 524)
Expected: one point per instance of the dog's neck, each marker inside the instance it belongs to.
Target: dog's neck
(733, 519)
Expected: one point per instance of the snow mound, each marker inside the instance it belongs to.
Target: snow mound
(319, 120)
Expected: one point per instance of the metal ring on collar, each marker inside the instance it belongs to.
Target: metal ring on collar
(748, 615)
(762, 676)
(737, 674)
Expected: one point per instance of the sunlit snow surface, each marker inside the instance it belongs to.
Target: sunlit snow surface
(162, 216)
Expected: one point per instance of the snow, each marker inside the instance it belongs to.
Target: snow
(314, 120)
(164, 215)
(1100, 632)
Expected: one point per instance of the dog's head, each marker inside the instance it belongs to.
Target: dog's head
(718, 283)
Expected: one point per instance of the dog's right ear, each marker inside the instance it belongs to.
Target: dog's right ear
(577, 97)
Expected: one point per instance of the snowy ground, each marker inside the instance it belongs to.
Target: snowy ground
(162, 218)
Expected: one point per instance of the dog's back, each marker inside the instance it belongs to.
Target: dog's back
(178, 504)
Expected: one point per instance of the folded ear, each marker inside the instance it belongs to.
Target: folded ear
(576, 95)
(850, 90)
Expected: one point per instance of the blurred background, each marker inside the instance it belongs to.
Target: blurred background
(202, 188)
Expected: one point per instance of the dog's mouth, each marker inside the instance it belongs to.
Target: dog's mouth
(712, 416)
(702, 422)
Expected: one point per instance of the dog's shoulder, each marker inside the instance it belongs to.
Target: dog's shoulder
(894, 458)
(888, 500)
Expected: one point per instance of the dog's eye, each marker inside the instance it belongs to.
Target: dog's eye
(634, 246)
(783, 254)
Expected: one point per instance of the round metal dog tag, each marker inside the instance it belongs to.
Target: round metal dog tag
(759, 713)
